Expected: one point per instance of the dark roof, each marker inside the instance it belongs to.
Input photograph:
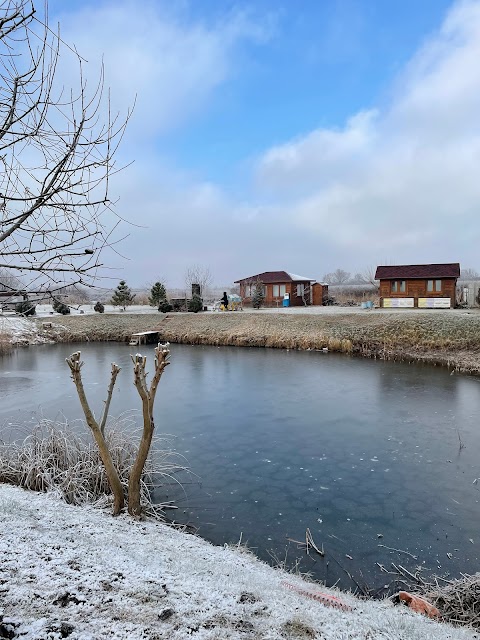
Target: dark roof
(270, 277)
(411, 271)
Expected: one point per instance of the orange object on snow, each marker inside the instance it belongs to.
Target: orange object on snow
(419, 604)
(325, 598)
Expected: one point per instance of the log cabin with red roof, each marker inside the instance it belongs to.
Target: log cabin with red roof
(301, 291)
(426, 286)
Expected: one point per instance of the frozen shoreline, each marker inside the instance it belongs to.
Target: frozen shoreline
(104, 577)
(448, 338)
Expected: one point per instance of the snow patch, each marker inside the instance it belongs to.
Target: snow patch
(80, 573)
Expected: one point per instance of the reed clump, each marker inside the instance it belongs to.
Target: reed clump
(457, 600)
(53, 457)
(5, 343)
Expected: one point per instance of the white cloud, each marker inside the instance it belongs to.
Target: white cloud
(171, 65)
(399, 182)
(402, 181)
(174, 66)
(318, 157)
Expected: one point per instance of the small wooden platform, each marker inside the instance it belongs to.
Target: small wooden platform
(144, 337)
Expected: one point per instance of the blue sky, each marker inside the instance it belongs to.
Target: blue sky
(323, 61)
(301, 136)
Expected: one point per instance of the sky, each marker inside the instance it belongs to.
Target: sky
(302, 136)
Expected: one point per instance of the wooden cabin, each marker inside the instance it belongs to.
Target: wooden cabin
(427, 286)
(300, 290)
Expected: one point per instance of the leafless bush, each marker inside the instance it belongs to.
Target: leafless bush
(141, 297)
(351, 295)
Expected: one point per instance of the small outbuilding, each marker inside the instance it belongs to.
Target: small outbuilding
(418, 285)
(281, 285)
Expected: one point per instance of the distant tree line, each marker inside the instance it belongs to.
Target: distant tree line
(340, 276)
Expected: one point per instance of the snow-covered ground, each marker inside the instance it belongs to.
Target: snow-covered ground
(20, 330)
(43, 310)
(80, 573)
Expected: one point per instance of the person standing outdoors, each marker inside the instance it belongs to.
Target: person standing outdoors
(225, 301)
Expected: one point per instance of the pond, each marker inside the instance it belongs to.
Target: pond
(365, 454)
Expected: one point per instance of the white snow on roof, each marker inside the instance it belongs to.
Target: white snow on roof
(78, 571)
(295, 276)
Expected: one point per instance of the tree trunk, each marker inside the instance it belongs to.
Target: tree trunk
(134, 504)
(112, 475)
(148, 399)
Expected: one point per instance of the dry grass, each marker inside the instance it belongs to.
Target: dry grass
(55, 458)
(5, 343)
(445, 338)
(458, 600)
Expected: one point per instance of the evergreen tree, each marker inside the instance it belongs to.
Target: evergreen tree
(157, 295)
(25, 308)
(122, 296)
(195, 304)
(60, 307)
(165, 306)
(258, 295)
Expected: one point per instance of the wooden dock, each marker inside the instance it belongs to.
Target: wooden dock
(144, 337)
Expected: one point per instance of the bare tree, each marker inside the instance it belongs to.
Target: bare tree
(469, 274)
(147, 395)
(339, 276)
(197, 274)
(9, 282)
(368, 276)
(57, 149)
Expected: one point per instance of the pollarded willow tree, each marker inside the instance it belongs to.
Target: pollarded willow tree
(57, 148)
(147, 395)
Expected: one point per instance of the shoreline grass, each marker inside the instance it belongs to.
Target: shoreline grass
(443, 339)
(5, 343)
(57, 456)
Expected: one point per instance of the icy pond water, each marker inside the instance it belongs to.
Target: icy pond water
(362, 453)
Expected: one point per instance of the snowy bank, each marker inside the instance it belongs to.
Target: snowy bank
(21, 331)
(80, 573)
(441, 337)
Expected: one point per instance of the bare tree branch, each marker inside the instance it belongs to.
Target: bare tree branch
(113, 378)
(339, 276)
(196, 274)
(57, 154)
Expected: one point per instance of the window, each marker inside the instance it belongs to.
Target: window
(399, 286)
(250, 290)
(279, 290)
(300, 289)
(434, 285)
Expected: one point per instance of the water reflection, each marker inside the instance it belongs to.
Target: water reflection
(362, 453)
